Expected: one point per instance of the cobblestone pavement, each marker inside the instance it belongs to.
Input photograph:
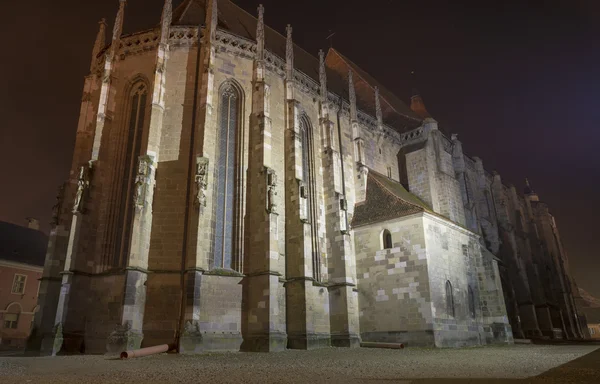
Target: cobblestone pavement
(534, 363)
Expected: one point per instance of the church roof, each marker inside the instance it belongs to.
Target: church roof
(22, 245)
(395, 112)
(386, 199)
(239, 22)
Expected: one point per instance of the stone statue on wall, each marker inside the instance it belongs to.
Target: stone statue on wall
(142, 180)
(271, 191)
(83, 183)
(201, 181)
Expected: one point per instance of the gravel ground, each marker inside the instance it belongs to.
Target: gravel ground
(321, 366)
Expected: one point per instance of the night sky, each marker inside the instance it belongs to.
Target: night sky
(519, 81)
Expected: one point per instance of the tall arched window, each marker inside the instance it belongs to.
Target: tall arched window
(226, 242)
(471, 302)
(127, 164)
(387, 239)
(449, 299)
(308, 178)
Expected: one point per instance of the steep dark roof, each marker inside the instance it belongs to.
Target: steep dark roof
(22, 245)
(386, 200)
(241, 23)
(395, 112)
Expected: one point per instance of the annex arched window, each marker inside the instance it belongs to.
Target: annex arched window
(449, 299)
(386, 237)
(471, 302)
(310, 191)
(227, 222)
(127, 164)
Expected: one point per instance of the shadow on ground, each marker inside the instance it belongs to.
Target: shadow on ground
(585, 369)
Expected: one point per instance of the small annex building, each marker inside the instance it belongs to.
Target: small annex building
(420, 276)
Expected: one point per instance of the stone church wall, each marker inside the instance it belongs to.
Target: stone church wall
(102, 309)
(448, 261)
(381, 154)
(402, 290)
(393, 284)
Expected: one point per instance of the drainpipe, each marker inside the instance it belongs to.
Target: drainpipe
(147, 351)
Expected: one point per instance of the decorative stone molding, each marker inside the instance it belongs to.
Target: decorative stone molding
(83, 184)
(413, 136)
(235, 45)
(139, 43)
(183, 36)
(306, 84)
(201, 181)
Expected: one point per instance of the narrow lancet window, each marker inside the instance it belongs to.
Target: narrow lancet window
(308, 179)
(225, 243)
(128, 167)
(471, 302)
(387, 240)
(449, 299)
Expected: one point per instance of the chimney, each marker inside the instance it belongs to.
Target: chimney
(33, 223)
(417, 105)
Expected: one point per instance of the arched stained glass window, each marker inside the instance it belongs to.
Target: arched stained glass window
(308, 178)
(225, 243)
(449, 299)
(127, 164)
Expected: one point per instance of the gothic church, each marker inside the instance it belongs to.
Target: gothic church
(230, 191)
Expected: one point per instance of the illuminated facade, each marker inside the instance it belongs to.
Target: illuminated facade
(226, 193)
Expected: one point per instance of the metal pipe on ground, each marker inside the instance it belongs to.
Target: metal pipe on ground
(382, 345)
(147, 351)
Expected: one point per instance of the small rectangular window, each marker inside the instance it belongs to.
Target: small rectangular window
(19, 284)
(389, 172)
(11, 320)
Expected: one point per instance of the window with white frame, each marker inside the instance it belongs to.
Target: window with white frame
(11, 320)
(19, 284)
